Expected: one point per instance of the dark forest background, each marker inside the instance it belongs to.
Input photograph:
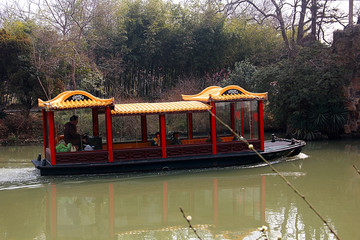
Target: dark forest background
(157, 50)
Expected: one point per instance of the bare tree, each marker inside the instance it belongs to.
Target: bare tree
(70, 18)
(297, 20)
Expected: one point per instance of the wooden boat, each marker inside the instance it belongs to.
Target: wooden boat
(203, 143)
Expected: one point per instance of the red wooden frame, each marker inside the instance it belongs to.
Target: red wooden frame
(242, 120)
(213, 128)
(261, 125)
(164, 151)
(52, 137)
(163, 135)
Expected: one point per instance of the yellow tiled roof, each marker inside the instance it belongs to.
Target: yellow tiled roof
(229, 93)
(74, 99)
(164, 107)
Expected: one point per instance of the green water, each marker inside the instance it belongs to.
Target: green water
(223, 203)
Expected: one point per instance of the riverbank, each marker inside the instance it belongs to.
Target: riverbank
(21, 128)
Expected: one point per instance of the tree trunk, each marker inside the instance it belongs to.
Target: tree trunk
(73, 70)
(300, 34)
(313, 19)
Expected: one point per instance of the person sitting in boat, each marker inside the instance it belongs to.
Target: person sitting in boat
(157, 140)
(70, 132)
(209, 138)
(175, 139)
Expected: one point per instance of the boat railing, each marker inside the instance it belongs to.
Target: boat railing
(97, 156)
(144, 151)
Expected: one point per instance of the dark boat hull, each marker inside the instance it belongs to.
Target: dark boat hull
(272, 152)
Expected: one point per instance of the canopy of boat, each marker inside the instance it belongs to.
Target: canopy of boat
(75, 99)
(229, 93)
(161, 107)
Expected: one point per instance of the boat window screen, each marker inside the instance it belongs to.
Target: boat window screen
(127, 129)
(247, 119)
(152, 126)
(84, 125)
(223, 111)
(102, 128)
(176, 123)
(254, 127)
(201, 124)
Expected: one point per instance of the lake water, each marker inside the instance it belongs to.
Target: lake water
(229, 203)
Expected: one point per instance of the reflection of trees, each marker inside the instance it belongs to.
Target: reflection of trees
(134, 209)
(327, 186)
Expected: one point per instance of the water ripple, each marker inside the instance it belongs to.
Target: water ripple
(11, 178)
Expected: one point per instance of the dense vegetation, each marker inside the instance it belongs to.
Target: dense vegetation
(156, 50)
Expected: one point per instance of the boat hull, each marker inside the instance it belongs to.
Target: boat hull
(272, 152)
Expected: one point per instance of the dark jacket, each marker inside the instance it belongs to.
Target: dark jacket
(71, 135)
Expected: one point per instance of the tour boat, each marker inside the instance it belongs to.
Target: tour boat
(122, 135)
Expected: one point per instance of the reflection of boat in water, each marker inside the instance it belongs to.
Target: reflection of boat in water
(229, 202)
(202, 142)
(142, 209)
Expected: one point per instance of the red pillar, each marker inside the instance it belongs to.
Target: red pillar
(44, 118)
(95, 121)
(232, 115)
(213, 128)
(251, 117)
(242, 120)
(165, 202)
(261, 126)
(52, 137)
(143, 128)
(109, 135)
(190, 126)
(163, 135)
